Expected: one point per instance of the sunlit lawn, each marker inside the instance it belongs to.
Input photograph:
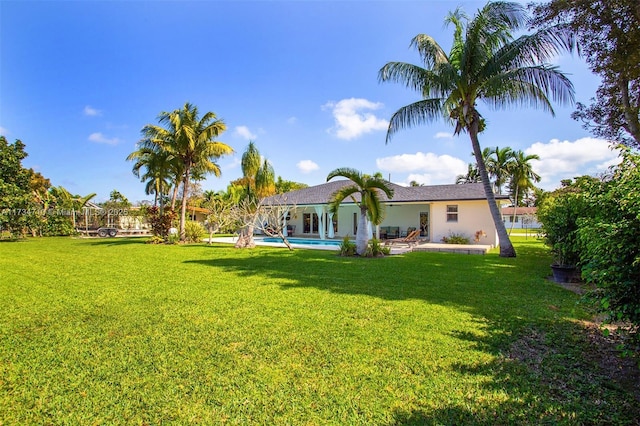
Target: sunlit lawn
(115, 331)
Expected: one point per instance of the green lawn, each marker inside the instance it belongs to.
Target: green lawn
(114, 331)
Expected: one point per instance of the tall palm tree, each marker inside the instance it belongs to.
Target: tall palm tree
(368, 188)
(521, 177)
(485, 63)
(498, 161)
(158, 171)
(188, 137)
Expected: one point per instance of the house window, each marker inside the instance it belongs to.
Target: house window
(452, 213)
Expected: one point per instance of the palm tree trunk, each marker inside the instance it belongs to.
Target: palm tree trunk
(174, 196)
(506, 248)
(515, 207)
(183, 210)
(362, 237)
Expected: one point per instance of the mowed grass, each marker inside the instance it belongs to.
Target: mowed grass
(115, 331)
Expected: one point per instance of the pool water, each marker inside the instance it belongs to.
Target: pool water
(304, 241)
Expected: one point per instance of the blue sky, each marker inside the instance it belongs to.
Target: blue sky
(79, 80)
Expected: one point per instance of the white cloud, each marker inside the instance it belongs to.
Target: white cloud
(568, 159)
(100, 138)
(91, 112)
(350, 122)
(307, 166)
(443, 135)
(430, 168)
(3, 131)
(292, 120)
(244, 132)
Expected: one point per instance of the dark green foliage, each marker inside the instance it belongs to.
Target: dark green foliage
(15, 194)
(376, 249)
(610, 241)
(347, 247)
(608, 32)
(559, 213)
(160, 222)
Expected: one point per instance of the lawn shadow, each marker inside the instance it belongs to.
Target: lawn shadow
(116, 241)
(537, 349)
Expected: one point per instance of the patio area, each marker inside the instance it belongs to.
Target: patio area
(396, 248)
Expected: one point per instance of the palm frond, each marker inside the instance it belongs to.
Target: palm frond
(417, 113)
(339, 196)
(349, 173)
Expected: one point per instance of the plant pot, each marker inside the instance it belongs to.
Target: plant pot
(563, 274)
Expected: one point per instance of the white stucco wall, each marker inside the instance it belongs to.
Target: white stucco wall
(473, 216)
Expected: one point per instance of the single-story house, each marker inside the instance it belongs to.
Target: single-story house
(437, 211)
(520, 218)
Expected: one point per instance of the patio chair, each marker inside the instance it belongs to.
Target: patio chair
(410, 239)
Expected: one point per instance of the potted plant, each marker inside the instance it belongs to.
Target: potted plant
(559, 213)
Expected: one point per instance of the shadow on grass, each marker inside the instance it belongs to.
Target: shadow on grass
(116, 241)
(538, 352)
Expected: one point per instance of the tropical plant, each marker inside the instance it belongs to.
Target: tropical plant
(498, 162)
(471, 176)
(159, 171)
(193, 231)
(486, 63)
(368, 188)
(521, 177)
(377, 249)
(190, 138)
(257, 182)
(347, 247)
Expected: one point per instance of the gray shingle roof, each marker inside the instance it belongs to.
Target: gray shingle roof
(321, 194)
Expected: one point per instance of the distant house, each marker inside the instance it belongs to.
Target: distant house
(520, 218)
(437, 211)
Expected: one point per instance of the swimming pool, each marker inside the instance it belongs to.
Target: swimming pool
(305, 241)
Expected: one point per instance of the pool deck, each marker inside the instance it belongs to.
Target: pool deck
(395, 248)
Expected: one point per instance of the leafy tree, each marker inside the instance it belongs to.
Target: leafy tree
(486, 63)
(368, 188)
(185, 135)
(15, 190)
(282, 186)
(608, 32)
(220, 213)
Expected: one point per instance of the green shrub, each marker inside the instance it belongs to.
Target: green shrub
(160, 223)
(155, 239)
(193, 231)
(377, 249)
(559, 213)
(609, 239)
(454, 238)
(347, 247)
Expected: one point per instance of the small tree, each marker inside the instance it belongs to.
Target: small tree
(220, 214)
(270, 218)
(368, 189)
